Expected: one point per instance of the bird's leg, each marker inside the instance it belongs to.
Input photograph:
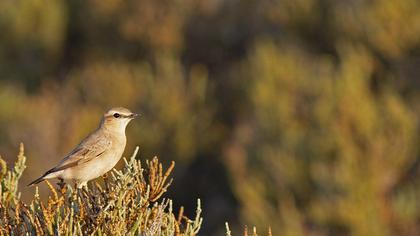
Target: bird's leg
(78, 189)
(61, 184)
(79, 193)
(81, 184)
(86, 191)
(83, 188)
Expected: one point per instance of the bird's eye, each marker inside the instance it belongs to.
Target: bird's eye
(116, 115)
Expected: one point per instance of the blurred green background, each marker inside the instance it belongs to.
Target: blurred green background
(300, 115)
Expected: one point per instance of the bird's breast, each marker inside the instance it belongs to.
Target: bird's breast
(117, 148)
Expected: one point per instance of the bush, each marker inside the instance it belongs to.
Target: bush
(128, 202)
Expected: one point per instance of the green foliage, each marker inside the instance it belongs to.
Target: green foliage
(322, 149)
(128, 203)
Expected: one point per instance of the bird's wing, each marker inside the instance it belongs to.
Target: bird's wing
(89, 149)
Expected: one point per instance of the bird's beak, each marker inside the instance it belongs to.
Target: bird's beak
(134, 115)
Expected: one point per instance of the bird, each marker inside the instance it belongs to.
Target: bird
(96, 154)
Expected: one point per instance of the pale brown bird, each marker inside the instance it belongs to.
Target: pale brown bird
(97, 154)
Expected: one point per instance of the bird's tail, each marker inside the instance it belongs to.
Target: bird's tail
(37, 181)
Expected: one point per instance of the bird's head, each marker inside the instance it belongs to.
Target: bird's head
(117, 119)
